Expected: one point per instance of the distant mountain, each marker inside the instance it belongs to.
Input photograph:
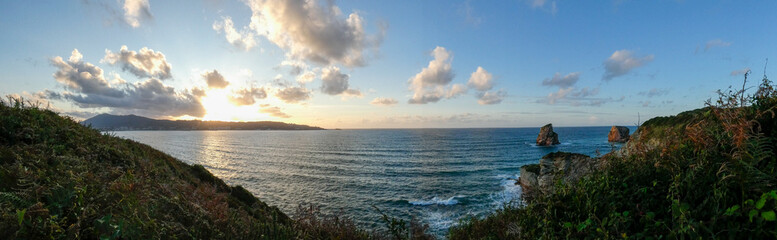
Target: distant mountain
(134, 122)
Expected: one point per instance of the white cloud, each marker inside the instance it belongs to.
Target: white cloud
(313, 32)
(244, 39)
(622, 62)
(136, 11)
(480, 80)
(145, 63)
(561, 94)
(293, 94)
(456, 90)
(429, 84)
(247, 96)
(333, 82)
(215, 80)
(562, 81)
(491, 97)
(306, 77)
(84, 77)
(381, 101)
(150, 97)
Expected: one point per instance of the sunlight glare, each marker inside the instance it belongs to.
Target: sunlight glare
(219, 108)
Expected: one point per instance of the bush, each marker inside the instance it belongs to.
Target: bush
(707, 173)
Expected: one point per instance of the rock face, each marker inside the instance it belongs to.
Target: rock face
(618, 134)
(547, 136)
(559, 166)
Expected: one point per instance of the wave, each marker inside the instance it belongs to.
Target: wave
(510, 194)
(437, 201)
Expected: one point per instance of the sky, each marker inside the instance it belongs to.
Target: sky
(384, 64)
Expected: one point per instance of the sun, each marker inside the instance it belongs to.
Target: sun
(219, 108)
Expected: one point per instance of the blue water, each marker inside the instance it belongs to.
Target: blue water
(435, 175)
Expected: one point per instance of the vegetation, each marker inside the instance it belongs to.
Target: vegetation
(707, 173)
(61, 180)
(703, 174)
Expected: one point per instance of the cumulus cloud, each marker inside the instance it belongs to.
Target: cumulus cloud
(136, 11)
(491, 97)
(740, 71)
(247, 96)
(306, 77)
(429, 84)
(622, 62)
(480, 80)
(716, 43)
(382, 101)
(274, 111)
(244, 39)
(214, 79)
(151, 98)
(80, 76)
(146, 63)
(456, 90)
(293, 94)
(333, 82)
(314, 32)
(562, 81)
(655, 92)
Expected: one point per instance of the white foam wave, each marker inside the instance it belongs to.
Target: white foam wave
(437, 201)
(510, 192)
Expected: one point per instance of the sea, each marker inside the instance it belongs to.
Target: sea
(436, 176)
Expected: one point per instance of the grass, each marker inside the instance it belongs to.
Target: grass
(703, 174)
(62, 180)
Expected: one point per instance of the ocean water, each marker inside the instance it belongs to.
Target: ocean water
(437, 176)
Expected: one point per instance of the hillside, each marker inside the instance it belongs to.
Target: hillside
(133, 122)
(703, 174)
(62, 180)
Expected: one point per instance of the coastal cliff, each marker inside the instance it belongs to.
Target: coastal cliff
(555, 168)
(702, 174)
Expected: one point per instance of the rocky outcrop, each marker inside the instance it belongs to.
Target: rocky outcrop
(559, 166)
(618, 134)
(547, 136)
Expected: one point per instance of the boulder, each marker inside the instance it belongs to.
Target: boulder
(547, 136)
(618, 134)
(528, 177)
(567, 168)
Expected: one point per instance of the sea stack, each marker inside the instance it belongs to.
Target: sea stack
(618, 134)
(547, 136)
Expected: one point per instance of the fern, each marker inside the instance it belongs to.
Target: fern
(13, 199)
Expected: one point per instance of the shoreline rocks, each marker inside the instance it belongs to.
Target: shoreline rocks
(547, 136)
(558, 166)
(618, 134)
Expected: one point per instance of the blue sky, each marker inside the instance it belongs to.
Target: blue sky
(384, 64)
